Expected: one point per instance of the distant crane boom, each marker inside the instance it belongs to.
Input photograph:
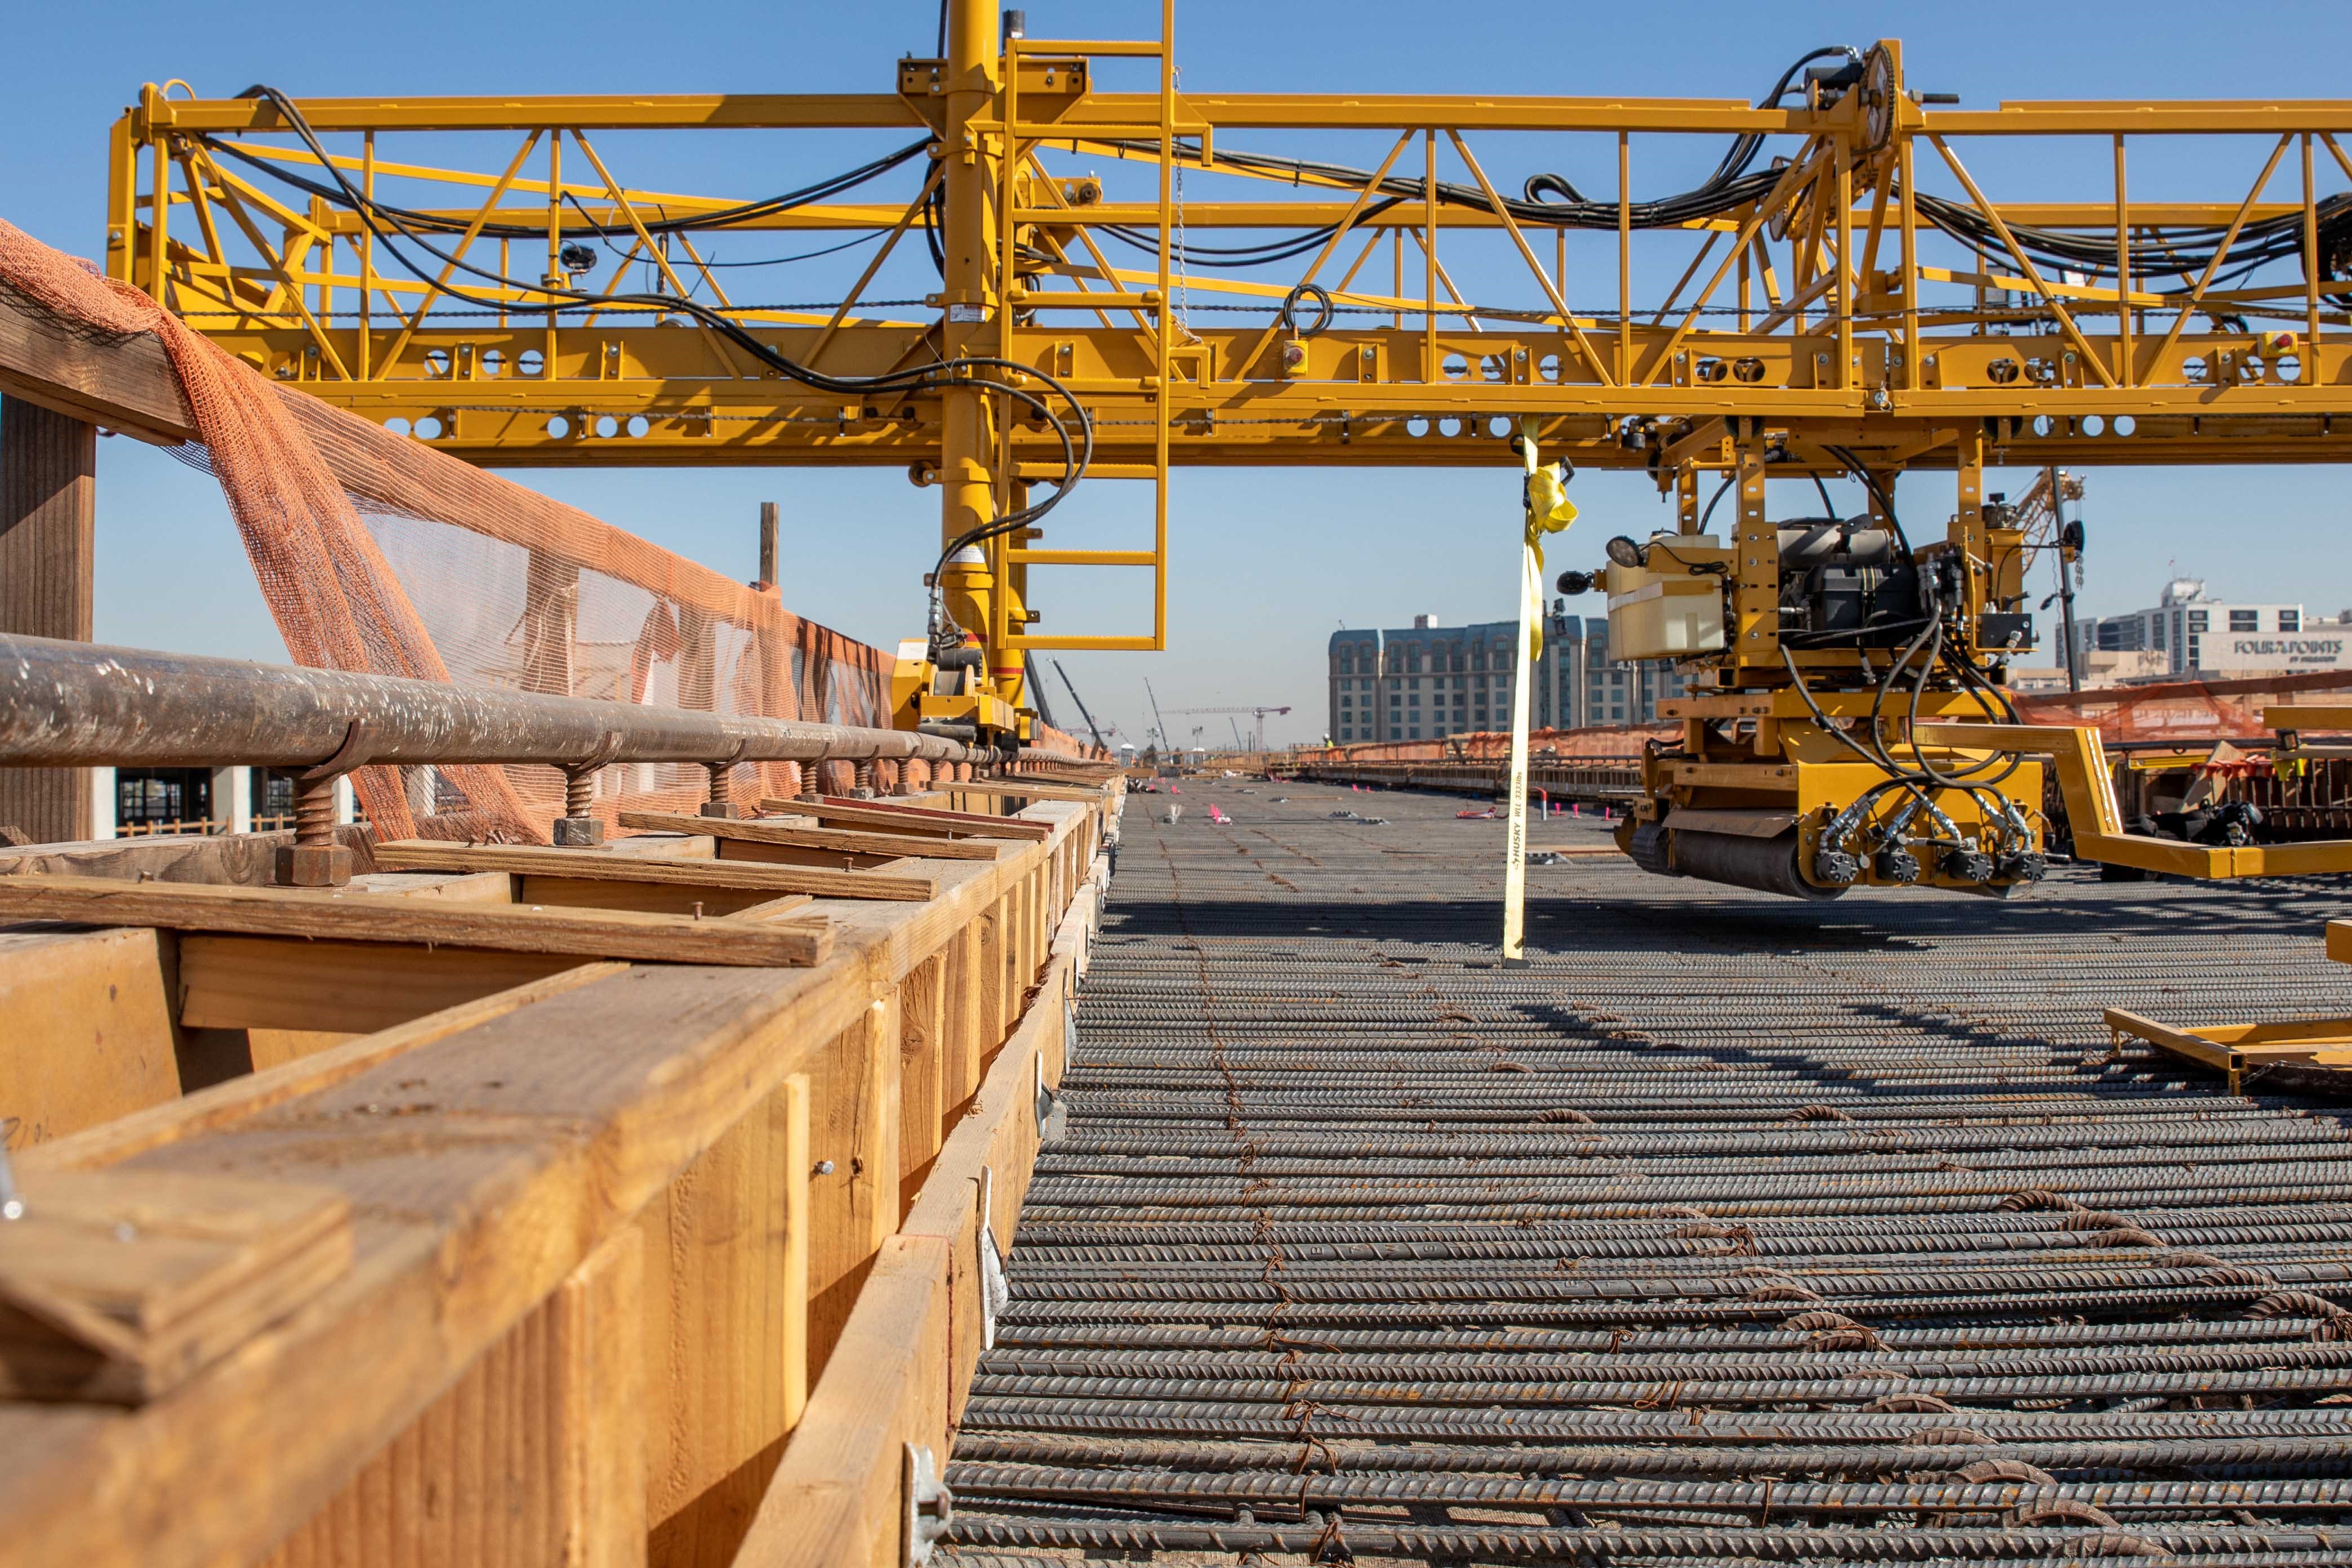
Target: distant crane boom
(1257, 717)
(1166, 743)
(1081, 701)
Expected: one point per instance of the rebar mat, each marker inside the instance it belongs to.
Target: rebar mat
(1729, 1229)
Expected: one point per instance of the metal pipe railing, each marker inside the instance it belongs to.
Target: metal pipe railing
(72, 704)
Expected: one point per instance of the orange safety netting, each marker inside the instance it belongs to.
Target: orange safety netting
(2177, 709)
(378, 553)
(1598, 742)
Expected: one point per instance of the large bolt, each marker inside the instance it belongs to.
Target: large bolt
(721, 805)
(579, 827)
(862, 786)
(314, 859)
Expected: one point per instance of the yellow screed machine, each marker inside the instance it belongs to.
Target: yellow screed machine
(1839, 300)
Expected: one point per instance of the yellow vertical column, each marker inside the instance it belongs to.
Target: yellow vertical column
(1758, 599)
(966, 449)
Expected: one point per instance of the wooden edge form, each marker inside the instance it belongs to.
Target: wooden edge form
(890, 812)
(757, 832)
(592, 865)
(912, 1342)
(227, 1103)
(1041, 790)
(127, 384)
(509, 927)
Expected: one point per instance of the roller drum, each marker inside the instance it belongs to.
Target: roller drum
(1767, 865)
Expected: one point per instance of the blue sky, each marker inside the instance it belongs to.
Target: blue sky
(1267, 563)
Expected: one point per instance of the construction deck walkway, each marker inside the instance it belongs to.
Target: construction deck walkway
(1730, 1230)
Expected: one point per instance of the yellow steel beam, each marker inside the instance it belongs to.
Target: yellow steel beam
(2307, 716)
(2088, 791)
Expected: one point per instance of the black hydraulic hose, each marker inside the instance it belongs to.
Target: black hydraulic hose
(1077, 455)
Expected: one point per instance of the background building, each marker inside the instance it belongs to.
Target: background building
(1426, 681)
(2190, 633)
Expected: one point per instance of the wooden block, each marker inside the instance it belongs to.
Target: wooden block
(726, 1333)
(922, 1071)
(834, 1501)
(266, 1049)
(852, 1125)
(757, 832)
(961, 1057)
(768, 910)
(118, 1287)
(989, 953)
(891, 816)
(87, 1035)
(350, 987)
(459, 886)
(536, 1455)
(907, 1352)
(360, 917)
(541, 865)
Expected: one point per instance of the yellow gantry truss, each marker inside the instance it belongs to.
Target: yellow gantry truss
(1870, 295)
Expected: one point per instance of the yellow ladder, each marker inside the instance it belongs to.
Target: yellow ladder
(1014, 555)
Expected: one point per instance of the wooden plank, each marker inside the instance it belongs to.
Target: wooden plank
(744, 851)
(651, 897)
(351, 987)
(87, 1031)
(603, 866)
(922, 1071)
(242, 859)
(726, 1331)
(118, 1288)
(227, 1103)
(891, 816)
(125, 385)
(1003, 788)
(753, 831)
(271, 911)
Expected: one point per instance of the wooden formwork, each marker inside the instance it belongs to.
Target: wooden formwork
(565, 1259)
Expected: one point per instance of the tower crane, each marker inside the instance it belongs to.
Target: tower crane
(1849, 304)
(1257, 717)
